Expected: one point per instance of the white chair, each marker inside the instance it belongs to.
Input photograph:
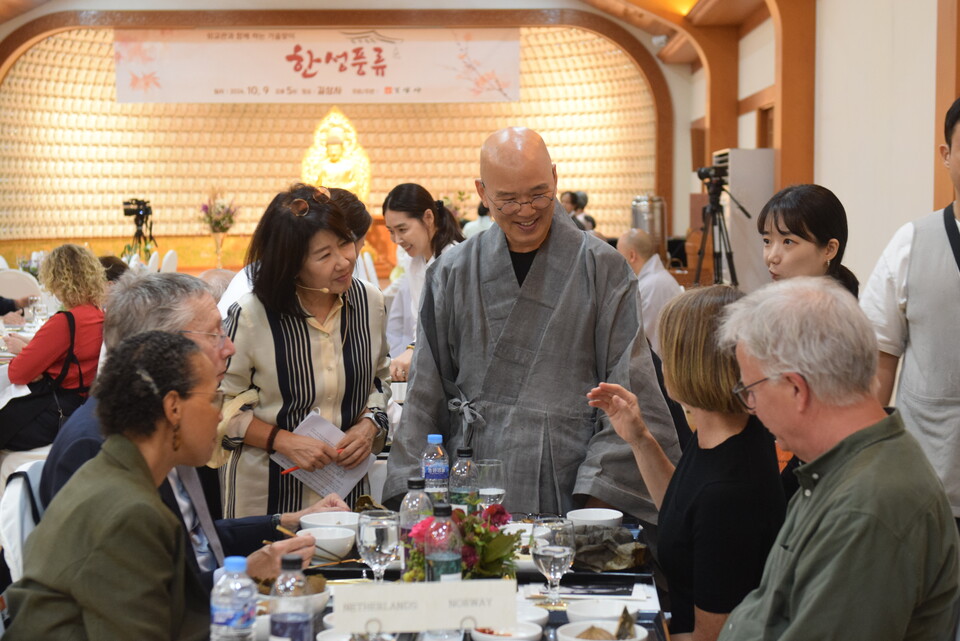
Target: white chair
(20, 511)
(169, 263)
(3, 263)
(11, 461)
(136, 264)
(153, 265)
(17, 284)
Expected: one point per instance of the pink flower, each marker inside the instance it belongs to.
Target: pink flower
(419, 531)
(469, 554)
(496, 515)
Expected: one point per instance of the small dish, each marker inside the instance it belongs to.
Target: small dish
(532, 614)
(599, 609)
(333, 543)
(520, 631)
(569, 631)
(347, 520)
(596, 516)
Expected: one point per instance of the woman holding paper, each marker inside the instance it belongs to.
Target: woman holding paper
(309, 337)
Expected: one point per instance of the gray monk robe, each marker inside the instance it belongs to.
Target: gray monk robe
(505, 369)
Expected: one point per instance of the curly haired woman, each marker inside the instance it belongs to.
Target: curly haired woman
(60, 362)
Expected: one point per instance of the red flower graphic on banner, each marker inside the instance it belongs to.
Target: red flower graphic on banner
(133, 52)
(144, 83)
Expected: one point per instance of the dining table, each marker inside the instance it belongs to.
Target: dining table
(634, 585)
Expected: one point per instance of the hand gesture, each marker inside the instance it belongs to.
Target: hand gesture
(265, 562)
(622, 409)
(400, 366)
(309, 453)
(357, 444)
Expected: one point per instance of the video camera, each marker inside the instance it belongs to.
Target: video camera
(717, 172)
(137, 207)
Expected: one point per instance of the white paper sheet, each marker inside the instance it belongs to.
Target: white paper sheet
(329, 478)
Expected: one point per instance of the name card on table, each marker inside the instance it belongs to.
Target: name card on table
(415, 607)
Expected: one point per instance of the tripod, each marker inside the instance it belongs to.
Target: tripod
(715, 226)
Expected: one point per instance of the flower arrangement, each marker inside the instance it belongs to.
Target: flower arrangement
(217, 213)
(487, 552)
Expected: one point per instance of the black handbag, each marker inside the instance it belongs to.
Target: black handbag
(32, 421)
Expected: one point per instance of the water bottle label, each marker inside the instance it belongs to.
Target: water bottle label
(436, 472)
(233, 618)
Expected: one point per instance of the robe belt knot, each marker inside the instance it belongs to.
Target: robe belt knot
(465, 409)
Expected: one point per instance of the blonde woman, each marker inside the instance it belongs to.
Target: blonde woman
(60, 362)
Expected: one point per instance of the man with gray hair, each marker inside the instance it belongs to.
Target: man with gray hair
(177, 303)
(656, 285)
(868, 549)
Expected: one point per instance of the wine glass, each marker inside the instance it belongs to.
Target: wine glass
(490, 482)
(378, 540)
(553, 549)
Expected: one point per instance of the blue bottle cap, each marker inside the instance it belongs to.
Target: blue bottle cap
(235, 564)
(435, 439)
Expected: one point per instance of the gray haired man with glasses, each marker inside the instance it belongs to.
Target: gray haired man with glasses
(182, 304)
(868, 549)
(516, 324)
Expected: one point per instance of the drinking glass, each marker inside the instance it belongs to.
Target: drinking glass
(553, 549)
(490, 482)
(378, 540)
(32, 303)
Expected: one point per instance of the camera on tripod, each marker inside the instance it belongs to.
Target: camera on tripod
(717, 173)
(137, 207)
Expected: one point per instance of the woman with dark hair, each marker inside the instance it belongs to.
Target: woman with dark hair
(804, 230)
(722, 506)
(309, 337)
(60, 362)
(109, 559)
(424, 228)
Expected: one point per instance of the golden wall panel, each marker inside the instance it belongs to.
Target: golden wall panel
(69, 154)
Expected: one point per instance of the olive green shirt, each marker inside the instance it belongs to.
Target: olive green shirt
(868, 549)
(107, 561)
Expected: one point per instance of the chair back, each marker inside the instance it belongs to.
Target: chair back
(3, 263)
(17, 284)
(169, 263)
(153, 265)
(20, 511)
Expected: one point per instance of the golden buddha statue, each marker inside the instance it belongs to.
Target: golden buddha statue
(336, 159)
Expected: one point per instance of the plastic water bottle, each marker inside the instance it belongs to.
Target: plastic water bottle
(233, 603)
(442, 546)
(435, 469)
(291, 608)
(464, 482)
(415, 507)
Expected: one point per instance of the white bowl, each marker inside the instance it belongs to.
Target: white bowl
(332, 635)
(333, 543)
(521, 630)
(328, 621)
(599, 609)
(570, 631)
(596, 516)
(532, 614)
(330, 519)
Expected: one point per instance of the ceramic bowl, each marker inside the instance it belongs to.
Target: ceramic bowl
(596, 516)
(599, 609)
(333, 543)
(532, 614)
(570, 631)
(330, 519)
(521, 630)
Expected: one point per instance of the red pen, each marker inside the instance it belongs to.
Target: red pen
(290, 469)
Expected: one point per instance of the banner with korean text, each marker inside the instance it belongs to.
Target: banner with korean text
(318, 65)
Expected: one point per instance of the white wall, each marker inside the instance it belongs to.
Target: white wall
(677, 76)
(875, 86)
(756, 70)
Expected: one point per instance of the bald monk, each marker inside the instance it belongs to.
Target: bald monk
(655, 283)
(516, 325)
